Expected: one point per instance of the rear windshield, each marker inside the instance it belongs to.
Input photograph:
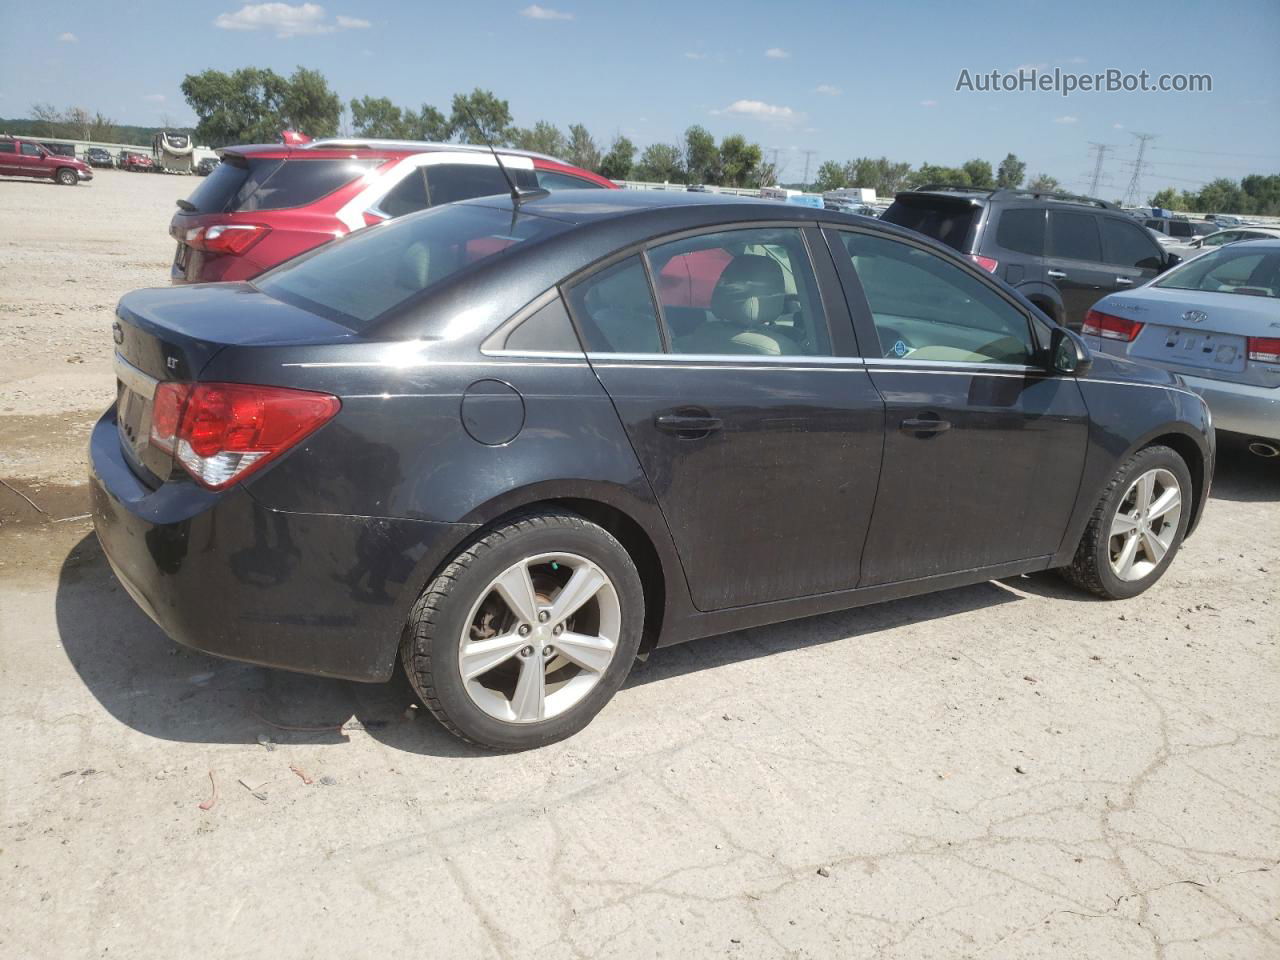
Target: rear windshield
(377, 269)
(246, 184)
(1244, 269)
(944, 219)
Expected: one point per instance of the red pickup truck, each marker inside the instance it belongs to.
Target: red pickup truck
(26, 158)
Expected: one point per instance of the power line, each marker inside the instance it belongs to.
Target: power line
(1101, 149)
(1135, 182)
(1219, 153)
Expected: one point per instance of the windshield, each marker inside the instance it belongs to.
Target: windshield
(356, 280)
(1243, 268)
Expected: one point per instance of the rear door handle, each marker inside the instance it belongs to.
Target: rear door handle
(688, 426)
(1123, 282)
(1057, 274)
(918, 426)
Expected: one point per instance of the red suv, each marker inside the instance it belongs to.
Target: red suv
(264, 204)
(26, 158)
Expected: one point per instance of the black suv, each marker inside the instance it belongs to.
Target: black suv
(98, 157)
(1062, 252)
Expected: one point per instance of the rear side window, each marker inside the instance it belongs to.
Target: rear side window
(1074, 236)
(362, 276)
(1128, 245)
(450, 182)
(1022, 231)
(936, 217)
(615, 312)
(408, 195)
(249, 184)
(552, 180)
(7, 146)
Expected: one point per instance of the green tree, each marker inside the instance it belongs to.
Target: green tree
(1220, 196)
(979, 173)
(244, 106)
(1263, 193)
(618, 162)
(481, 109)
(542, 137)
(582, 151)
(377, 117)
(1169, 198)
(1042, 183)
(660, 162)
(701, 156)
(830, 176)
(430, 124)
(309, 105)
(740, 161)
(879, 173)
(1011, 172)
(929, 173)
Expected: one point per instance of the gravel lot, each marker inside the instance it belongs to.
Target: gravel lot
(1005, 770)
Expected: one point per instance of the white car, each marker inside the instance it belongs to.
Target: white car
(1214, 240)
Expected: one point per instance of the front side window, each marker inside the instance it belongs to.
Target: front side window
(1074, 236)
(1128, 245)
(926, 308)
(741, 292)
(615, 312)
(30, 150)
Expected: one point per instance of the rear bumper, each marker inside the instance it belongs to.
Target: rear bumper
(1240, 408)
(221, 573)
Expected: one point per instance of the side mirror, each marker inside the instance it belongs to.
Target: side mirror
(1171, 260)
(1068, 353)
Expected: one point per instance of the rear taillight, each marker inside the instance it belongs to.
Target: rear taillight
(1264, 349)
(221, 432)
(232, 238)
(1110, 327)
(986, 263)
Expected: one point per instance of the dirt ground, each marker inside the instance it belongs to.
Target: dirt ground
(1008, 770)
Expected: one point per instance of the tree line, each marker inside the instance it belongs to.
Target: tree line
(1254, 194)
(887, 177)
(252, 105)
(75, 123)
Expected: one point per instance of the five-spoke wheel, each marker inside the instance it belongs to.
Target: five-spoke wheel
(1145, 524)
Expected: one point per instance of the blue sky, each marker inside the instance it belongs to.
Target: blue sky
(841, 79)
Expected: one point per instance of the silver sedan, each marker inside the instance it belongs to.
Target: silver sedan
(1215, 321)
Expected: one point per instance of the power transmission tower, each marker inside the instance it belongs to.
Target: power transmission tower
(1135, 182)
(808, 155)
(1101, 149)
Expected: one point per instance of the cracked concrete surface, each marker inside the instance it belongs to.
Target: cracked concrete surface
(879, 746)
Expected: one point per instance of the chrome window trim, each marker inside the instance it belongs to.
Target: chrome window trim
(960, 365)
(136, 380)
(789, 360)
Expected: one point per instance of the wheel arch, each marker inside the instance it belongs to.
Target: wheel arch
(1194, 457)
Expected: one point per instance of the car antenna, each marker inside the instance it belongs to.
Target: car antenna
(518, 196)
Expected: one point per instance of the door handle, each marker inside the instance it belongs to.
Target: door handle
(1124, 282)
(1057, 274)
(922, 427)
(688, 426)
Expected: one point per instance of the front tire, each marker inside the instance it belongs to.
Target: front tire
(1136, 528)
(67, 177)
(527, 633)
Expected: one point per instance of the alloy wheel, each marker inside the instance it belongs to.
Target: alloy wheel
(539, 638)
(1145, 524)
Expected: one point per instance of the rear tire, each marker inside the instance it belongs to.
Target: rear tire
(541, 656)
(67, 177)
(1137, 526)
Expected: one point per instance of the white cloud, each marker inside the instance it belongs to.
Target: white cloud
(695, 56)
(535, 12)
(154, 97)
(1075, 60)
(827, 90)
(928, 103)
(68, 38)
(760, 109)
(1028, 67)
(1066, 119)
(286, 19)
(776, 53)
(1117, 126)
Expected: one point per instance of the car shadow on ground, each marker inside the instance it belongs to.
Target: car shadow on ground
(1243, 476)
(148, 682)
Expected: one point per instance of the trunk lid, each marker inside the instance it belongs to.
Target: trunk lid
(1201, 333)
(172, 334)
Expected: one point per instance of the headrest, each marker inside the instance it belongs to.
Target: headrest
(750, 291)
